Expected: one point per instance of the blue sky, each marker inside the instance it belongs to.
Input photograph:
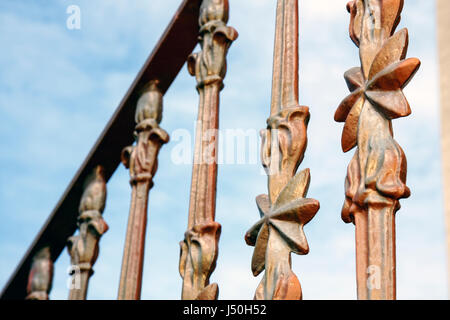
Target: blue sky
(59, 87)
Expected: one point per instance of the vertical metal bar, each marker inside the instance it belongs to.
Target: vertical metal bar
(443, 12)
(200, 246)
(84, 247)
(376, 177)
(41, 275)
(142, 161)
(285, 210)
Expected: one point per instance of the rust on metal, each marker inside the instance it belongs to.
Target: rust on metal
(84, 247)
(164, 63)
(285, 210)
(376, 178)
(200, 247)
(142, 161)
(41, 276)
(443, 12)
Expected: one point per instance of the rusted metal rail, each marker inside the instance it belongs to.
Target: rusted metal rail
(443, 12)
(163, 64)
(375, 183)
(199, 249)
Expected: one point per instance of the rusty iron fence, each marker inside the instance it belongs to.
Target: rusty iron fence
(375, 182)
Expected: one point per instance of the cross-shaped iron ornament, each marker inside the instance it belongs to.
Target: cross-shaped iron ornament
(281, 226)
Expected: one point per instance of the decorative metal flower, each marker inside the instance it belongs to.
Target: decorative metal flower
(287, 216)
(381, 83)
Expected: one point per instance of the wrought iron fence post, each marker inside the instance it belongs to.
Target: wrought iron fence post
(142, 161)
(200, 247)
(40, 278)
(84, 247)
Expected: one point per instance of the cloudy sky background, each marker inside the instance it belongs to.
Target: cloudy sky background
(59, 87)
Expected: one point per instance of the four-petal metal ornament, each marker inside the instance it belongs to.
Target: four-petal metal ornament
(282, 222)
